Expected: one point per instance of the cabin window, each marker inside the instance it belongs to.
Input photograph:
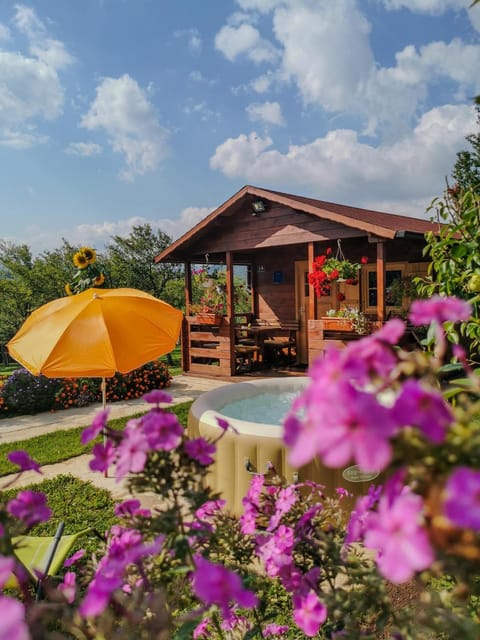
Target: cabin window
(393, 272)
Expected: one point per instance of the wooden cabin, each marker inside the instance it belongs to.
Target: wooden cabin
(276, 237)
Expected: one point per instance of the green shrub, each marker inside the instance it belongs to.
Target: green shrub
(24, 393)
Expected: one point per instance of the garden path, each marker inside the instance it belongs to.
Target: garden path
(182, 389)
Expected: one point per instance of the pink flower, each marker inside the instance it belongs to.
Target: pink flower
(30, 506)
(73, 558)
(201, 630)
(216, 585)
(23, 460)
(424, 408)
(162, 430)
(200, 450)
(342, 423)
(103, 456)
(357, 524)
(287, 497)
(439, 309)
(96, 428)
(12, 615)
(157, 396)
(396, 532)
(462, 498)
(275, 551)
(131, 508)
(7, 565)
(273, 629)
(309, 613)
(132, 451)
(68, 587)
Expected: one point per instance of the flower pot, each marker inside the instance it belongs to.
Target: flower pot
(331, 323)
(208, 318)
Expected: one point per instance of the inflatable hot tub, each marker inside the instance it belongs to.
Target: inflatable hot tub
(252, 447)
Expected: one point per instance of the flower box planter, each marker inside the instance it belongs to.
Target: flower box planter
(332, 323)
(208, 318)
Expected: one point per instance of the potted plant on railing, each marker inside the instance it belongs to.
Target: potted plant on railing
(347, 319)
(328, 269)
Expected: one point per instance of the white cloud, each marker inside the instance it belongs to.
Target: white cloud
(4, 32)
(342, 168)
(51, 52)
(83, 149)
(121, 108)
(434, 7)
(197, 76)
(39, 239)
(21, 139)
(263, 83)
(244, 39)
(263, 6)
(325, 51)
(194, 40)
(267, 112)
(30, 87)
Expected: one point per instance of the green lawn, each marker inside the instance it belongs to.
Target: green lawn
(65, 444)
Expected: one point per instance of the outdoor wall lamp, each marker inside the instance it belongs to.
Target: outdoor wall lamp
(258, 207)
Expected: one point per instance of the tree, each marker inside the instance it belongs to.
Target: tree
(130, 263)
(466, 171)
(26, 282)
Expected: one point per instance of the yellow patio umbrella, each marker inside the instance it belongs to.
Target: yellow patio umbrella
(96, 333)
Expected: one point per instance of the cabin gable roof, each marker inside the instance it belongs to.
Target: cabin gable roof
(349, 222)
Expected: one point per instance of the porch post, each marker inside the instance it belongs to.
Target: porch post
(230, 308)
(186, 327)
(381, 311)
(188, 287)
(312, 307)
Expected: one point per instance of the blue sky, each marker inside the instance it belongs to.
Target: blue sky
(121, 112)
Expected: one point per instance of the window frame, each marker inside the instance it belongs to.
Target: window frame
(369, 268)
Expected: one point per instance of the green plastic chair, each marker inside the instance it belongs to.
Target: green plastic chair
(44, 555)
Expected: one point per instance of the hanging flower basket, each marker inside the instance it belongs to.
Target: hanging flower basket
(328, 269)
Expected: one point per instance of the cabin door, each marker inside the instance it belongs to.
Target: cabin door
(301, 304)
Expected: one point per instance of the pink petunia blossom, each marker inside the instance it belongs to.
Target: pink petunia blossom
(213, 584)
(423, 408)
(7, 565)
(342, 423)
(74, 557)
(396, 532)
(30, 506)
(68, 587)
(96, 428)
(132, 451)
(200, 450)
(162, 430)
(103, 456)
(131, 508)
(439, 309)
(202, 629)
(12, 615)
(24, 461)
(309, 613)
(462, 498)
(357, 523)
(272, 630)
(157, 396)
(287, 497)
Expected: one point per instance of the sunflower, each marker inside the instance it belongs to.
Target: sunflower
(90, 254)
(99, 280)
(68, 289)
(80, 260)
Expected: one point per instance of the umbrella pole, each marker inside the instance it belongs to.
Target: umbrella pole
(104, 404)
